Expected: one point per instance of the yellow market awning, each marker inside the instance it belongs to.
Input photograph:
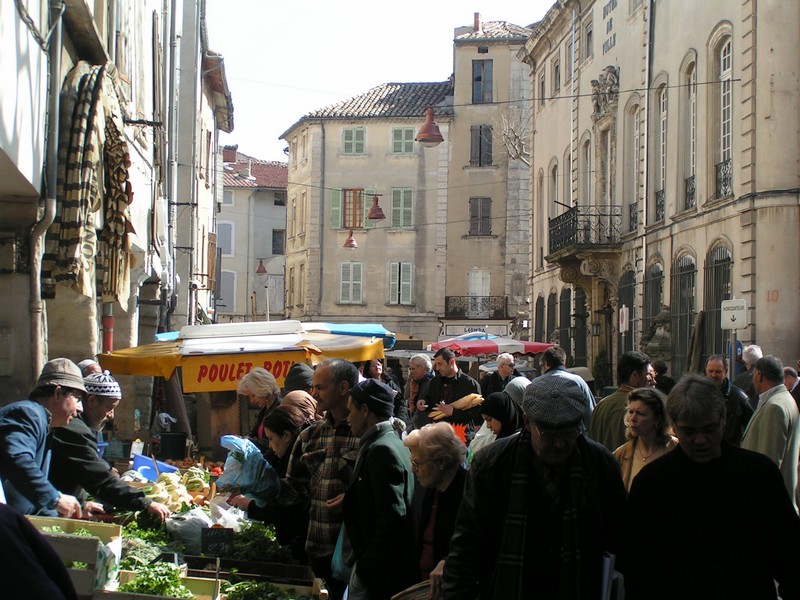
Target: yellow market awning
(215, 363)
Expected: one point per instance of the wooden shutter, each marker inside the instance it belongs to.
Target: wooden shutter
(336, 209)
(405, 282)
(368, 195)
(475, 146)
(486, 145)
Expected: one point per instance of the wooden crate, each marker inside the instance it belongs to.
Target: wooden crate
(316, 590)
(203, 589)
(277, 573)
(101, 553)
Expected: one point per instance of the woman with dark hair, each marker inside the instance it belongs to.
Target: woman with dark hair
(437, 459)
(501, 414)
(649, 434)
(281, 428)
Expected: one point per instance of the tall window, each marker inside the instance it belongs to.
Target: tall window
(691, 136)
(724, 168)
(350, 283)
(564, 322)
(588, 40)
(400, 282)
(353, 140)
(661, 153)
(301, 218)
(586, 173)
(538, 321)
(226, 303)
(542, 93)
(480, 216)
(554, 189)
(403, 140)
(278, 241)
(632, 152)
(290, 291)
(225, 236)
(480, 150)
(653, 297)
(625, 295)
(349, 207)
(567, 195)
(552, 302)
(682, 308)
(581, 328)
(402, 208)
(716, 288)
(556, 74)
(301, 287)
(304, 145)
(481, 81)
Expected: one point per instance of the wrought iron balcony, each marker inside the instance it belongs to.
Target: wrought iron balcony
(633, 216)
(585, 226)
(661, 200)
(689, 191)
(476, 307)
(725, 178)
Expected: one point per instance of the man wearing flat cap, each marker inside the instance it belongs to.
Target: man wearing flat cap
(540, 507)
(76, 467)
(377, 505)
(24, 427)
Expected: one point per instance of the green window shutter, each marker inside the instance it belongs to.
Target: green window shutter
(358, 141)
(397, 208)
(356, 284)
(348, 141)
(344, 282)
(409, 140)
(394, 283)
(408, 207)
(397, 140)
(336, 209)
(368, 194)
(405, 282)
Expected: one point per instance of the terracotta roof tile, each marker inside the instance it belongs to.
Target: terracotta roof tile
(263, 174)
(496, 30)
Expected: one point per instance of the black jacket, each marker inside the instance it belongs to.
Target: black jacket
(432, 392)
(77, 469)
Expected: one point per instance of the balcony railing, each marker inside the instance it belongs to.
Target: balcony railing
(689, 191)
(725, 178)
(661, 197)
(633, 214)
(585, 226)
(476, 307)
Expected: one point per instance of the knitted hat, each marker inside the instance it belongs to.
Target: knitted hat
(103, 385)
(378, 396)
(63, 372)
(554, 401)
(298, 377)
(516, 389)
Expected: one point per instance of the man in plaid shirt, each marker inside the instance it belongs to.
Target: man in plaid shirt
(321, 466)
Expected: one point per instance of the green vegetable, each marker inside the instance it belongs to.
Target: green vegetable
(159, 579)
(77, 565)
(263, 590)
(257, 542)
(82, 532)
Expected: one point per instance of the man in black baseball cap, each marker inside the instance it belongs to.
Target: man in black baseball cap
(24, 427)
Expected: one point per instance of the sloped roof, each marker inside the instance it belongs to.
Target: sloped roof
(263, 174)
(388, 100)
(496, 31)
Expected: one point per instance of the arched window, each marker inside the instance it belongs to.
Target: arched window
(683, 283)
(552, 301)
(625, 296)
(564, 322)
(567, 177)
(555, 208)
(538, 321)
(690, 137)
(653, 296)
(582, 320)
(661, 153)
(716, 288)
(585, 173)
(724, 151)
(632, 164)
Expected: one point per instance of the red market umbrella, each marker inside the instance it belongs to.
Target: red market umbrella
(490, 346)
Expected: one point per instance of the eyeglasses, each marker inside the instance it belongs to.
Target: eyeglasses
(692, 432)
(551, 435)
(417, 464)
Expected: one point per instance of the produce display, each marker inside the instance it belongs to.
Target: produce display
(159, 579)
(261, 590)
(257, 542)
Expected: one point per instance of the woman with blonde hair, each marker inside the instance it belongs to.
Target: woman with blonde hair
(649, 434)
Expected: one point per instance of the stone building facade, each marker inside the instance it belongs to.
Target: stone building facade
(665, 177)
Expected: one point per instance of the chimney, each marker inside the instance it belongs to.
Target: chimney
(477, 25)
(229, 153)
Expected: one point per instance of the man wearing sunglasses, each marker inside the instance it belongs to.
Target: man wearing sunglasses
(24, 428)
(540, 507)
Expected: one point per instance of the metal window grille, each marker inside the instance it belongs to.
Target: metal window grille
(538, 321)
(551, 314)
(661, 197)
(716, 288)
(564, 322)
(682, 284)
(581, 329)
(625, 295)
(689, 191)
(653, 295)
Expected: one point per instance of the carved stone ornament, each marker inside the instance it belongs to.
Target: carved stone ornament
(605, 92)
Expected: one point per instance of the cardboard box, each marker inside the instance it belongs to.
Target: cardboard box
(101, 553)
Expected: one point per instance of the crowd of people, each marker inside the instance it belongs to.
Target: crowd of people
(508, 488)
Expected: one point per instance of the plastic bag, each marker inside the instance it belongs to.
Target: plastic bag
(226, 515)
(186, 528)
(247, 469)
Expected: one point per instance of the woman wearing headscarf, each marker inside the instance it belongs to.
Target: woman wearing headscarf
(305, 403)
(501, 414)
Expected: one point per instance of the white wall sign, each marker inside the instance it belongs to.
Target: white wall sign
(733, 314)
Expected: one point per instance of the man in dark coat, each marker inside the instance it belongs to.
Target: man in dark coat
(728, 527)
(76, 466)
(496, 380)
(737, 407)
(448, 386)
(378, 504)
(540, 508)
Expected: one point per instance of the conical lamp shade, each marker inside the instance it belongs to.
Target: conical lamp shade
(350, 243)
(375, 211)
(261, 269)
(429, 134)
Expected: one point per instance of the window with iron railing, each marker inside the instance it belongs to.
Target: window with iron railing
(661, 198)
(689, 191)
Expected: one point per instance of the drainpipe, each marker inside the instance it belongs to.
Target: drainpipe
(322, 192)
(108, 326)
(648, 79)
(38, 328)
